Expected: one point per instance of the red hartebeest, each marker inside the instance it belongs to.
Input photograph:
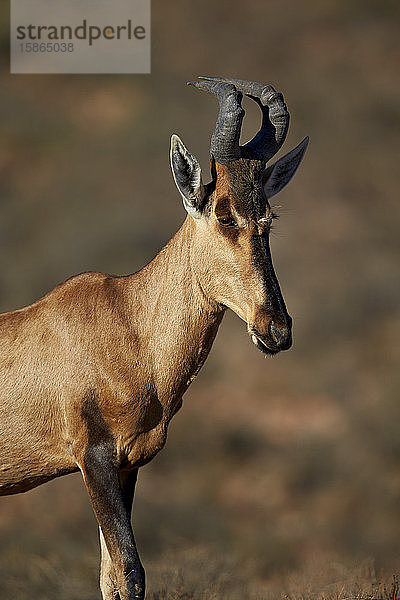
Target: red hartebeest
(92, 373)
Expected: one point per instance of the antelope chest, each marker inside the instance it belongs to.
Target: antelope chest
(143, 432)
(139, 403)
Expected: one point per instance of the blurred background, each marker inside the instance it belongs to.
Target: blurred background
(280, 476)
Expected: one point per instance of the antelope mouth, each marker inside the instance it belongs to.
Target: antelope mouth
(262, 345)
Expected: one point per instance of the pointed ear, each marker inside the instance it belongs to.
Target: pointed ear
(281, 172)
(187, 175)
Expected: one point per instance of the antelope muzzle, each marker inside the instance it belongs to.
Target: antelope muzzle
(271, 335)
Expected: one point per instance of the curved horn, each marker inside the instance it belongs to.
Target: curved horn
(225, 139)
(275, 121)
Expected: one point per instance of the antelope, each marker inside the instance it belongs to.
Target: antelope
(92, 373)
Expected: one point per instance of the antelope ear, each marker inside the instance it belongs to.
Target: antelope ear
(187, 175)
(281, 172)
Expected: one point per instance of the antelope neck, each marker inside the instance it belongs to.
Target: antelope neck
(177, 309)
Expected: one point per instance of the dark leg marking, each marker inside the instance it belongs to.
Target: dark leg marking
(111, 499)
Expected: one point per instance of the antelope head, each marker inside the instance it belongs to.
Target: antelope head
(232, 216)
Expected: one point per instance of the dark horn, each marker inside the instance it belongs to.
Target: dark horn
(225, 139)
(275, 121)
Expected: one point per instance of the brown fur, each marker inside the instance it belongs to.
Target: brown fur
(91, 374)
(109, 339)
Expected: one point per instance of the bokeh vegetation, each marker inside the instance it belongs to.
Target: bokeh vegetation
(279, 476)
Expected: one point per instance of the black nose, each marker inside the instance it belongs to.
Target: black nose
(281, 334)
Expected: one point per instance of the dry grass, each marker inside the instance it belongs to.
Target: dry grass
(201, 575)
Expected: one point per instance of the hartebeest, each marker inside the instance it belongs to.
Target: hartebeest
(92, 373)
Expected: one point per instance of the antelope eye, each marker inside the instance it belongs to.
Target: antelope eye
(227, 221)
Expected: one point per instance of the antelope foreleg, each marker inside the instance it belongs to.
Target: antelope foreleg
(111, 499)
(108, 584)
